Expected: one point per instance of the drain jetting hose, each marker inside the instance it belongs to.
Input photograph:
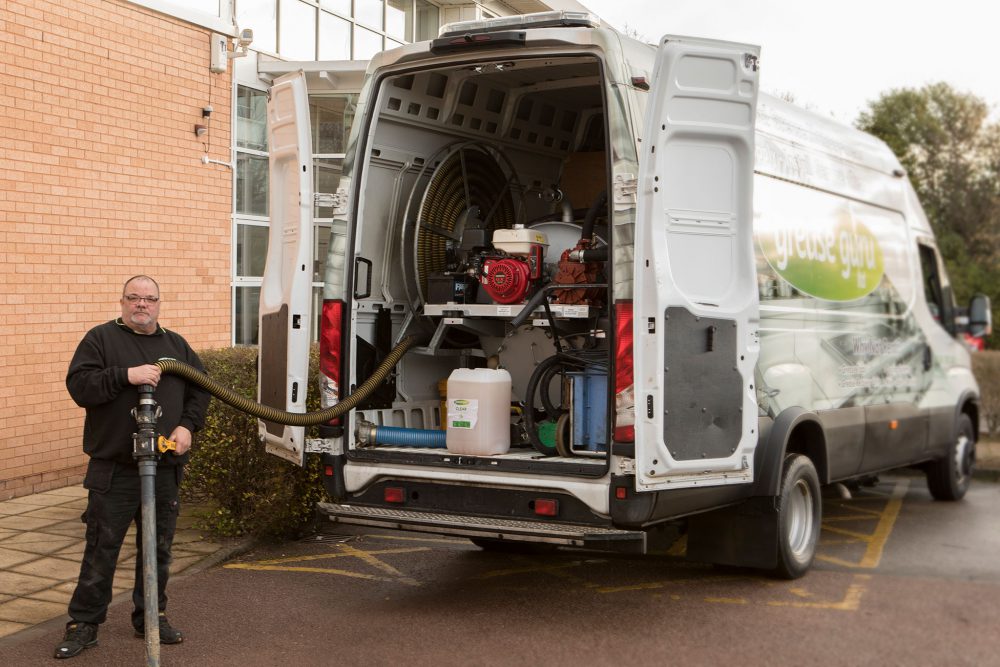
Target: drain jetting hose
(267, 413)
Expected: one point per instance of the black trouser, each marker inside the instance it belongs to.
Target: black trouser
(113, 503)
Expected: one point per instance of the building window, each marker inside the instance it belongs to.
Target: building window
(262, 17)
(304, 30)
(334, 29)
(250, 219)
(330, 119)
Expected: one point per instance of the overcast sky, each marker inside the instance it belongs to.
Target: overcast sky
(833, 57)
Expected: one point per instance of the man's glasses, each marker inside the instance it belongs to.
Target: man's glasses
(135, 298)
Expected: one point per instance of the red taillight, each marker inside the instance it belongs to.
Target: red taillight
(624, 375)
(330, 350)
(546, 507)
(621, 493)
(394, 494)
(328, 471)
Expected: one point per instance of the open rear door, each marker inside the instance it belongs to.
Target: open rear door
(286, 291)
(696, 304)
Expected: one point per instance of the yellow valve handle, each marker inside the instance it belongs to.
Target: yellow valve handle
(163, 445)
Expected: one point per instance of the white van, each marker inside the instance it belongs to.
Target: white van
(690, 304)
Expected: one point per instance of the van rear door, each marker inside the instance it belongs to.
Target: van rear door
(286, 290)
(696, 304)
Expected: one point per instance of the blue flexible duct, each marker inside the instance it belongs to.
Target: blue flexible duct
(409, 437)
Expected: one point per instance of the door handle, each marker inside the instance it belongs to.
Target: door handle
(368, 282)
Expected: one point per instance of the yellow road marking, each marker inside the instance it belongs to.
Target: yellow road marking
(728, 600)
(289, 568)
(342, 554)
(345, 551)
(880, 536)
(850, 602)
(369, 557)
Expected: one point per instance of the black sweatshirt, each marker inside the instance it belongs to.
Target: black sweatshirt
(98, 381)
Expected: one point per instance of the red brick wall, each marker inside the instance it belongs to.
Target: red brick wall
(100, 178)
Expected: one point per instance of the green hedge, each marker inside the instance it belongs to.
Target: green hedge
(247, 491)
(986, 366)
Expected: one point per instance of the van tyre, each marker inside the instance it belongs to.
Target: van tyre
(800, 509)
(948, 478)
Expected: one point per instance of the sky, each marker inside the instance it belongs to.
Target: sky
(835, 57)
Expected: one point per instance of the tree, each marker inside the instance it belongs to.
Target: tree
(951, 152)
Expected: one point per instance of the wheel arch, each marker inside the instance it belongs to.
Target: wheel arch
(968, 404)
(796, 430)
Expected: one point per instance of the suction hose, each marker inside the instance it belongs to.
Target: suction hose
(267, 413)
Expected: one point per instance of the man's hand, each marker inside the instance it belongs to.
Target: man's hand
(148, 374)
(182, 437)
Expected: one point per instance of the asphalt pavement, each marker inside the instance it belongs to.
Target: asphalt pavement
(41, 541)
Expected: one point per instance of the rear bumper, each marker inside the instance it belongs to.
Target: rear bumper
(564, 534)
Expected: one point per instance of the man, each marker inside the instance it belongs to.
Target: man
(110, 363)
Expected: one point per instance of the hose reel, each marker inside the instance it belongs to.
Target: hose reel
(469, 195)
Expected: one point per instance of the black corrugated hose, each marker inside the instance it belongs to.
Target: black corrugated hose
(266, 412)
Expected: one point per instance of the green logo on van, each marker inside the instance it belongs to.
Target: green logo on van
(839, 264)
(461, 401)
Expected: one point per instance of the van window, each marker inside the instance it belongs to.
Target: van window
(931, 281)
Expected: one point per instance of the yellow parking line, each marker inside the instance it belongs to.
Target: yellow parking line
(342, 554)
(850, 602)
(877, 540)
(288, 568)
(369, 557)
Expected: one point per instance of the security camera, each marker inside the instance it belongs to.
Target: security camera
(245, 38)
(243, 42)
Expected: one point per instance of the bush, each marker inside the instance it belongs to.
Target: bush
(986, 366)
(250, 492)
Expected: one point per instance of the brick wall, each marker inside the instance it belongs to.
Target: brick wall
(100, 178)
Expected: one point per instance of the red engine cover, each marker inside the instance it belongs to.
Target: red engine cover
(506, 279)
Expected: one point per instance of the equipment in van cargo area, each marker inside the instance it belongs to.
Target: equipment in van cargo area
(657, 298)
(478, 411)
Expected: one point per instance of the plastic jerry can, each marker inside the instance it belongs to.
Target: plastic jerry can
(478, 419)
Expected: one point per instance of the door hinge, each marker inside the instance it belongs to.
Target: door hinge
(335, 200)
(323, 446)
(626, 466)
(625, 187)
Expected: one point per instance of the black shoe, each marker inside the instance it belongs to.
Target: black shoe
(78, 637)
(168, 633)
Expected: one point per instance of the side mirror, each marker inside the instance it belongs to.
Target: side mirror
(980, 316)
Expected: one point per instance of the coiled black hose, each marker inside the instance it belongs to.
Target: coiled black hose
(266, 412)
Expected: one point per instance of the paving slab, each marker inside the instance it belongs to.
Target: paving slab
(74, 491)
(11, 557)
(23, 610)
(10, 508)
(56, 595)
(52, 568)
(22, 522)
(39, 543)
(15, 583)
(7, 628)
(63, 513)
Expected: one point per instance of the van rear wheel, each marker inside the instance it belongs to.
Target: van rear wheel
(799, 517)
(948, 478)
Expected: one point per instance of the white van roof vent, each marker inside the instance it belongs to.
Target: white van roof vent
(556, 19)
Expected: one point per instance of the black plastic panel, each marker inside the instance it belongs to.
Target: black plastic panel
(274, 364)
(703, 396)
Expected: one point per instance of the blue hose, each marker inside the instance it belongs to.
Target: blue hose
(409, 437)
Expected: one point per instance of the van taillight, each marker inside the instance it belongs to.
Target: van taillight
(330, 351)
(624, 376)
